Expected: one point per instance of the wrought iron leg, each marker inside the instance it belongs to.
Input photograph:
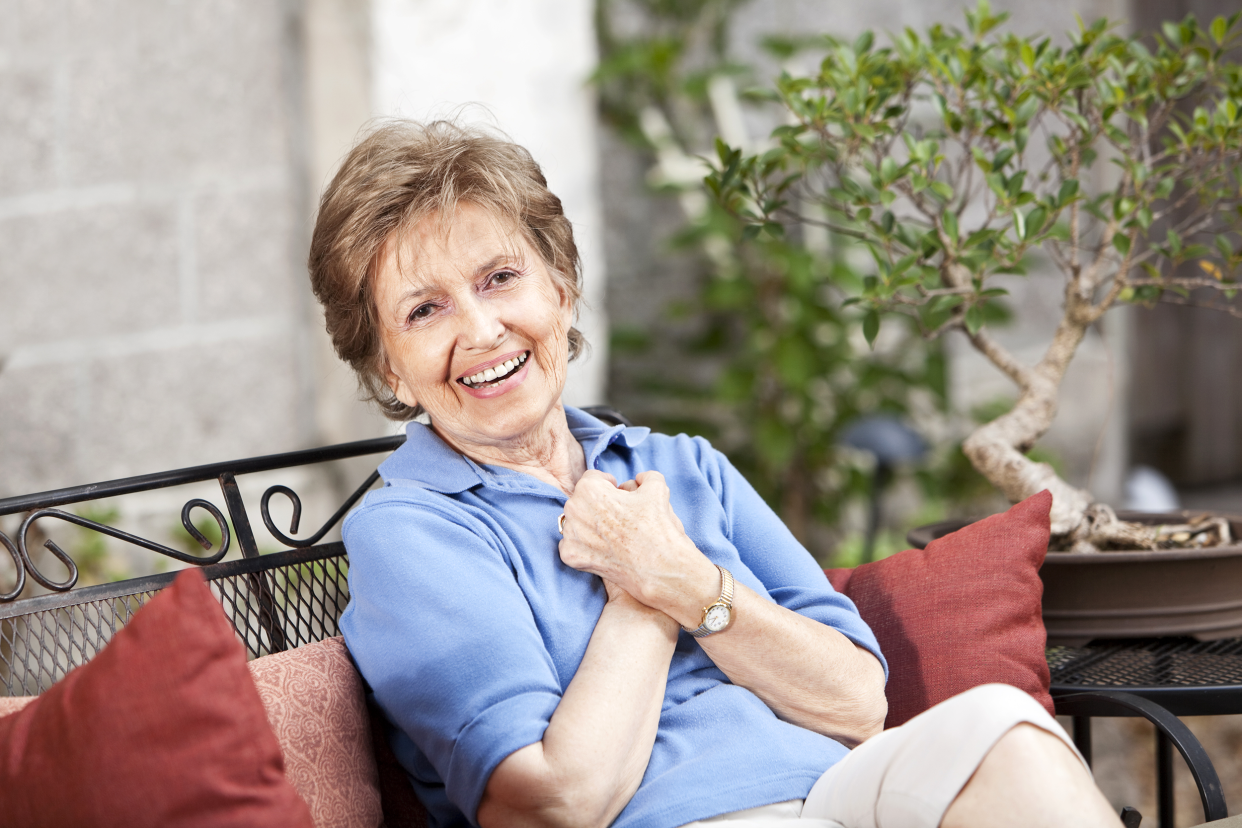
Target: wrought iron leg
(1082, 736)
(1174, 733)
(1164, 779)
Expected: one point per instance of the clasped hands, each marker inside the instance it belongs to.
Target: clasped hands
(629, 535)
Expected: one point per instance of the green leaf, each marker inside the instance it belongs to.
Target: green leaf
(1035, 222)
(1028, 54)
(871, 326)
(863, 42)
(1122, 242)
(1174, 242)
(1020, 136)
(888, 170)
(1068, 191)
(950, 227)
(974, 319)
(1219, 28)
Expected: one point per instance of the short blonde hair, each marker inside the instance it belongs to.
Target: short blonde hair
(398, 174)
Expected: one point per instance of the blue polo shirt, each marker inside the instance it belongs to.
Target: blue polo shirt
(468, 627)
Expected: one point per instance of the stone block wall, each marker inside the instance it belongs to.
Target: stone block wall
(159, 168)
(152, 223)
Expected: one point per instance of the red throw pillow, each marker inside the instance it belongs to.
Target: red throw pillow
(164, 727)
(964, 611)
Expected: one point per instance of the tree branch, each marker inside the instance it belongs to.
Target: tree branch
(1000, 356)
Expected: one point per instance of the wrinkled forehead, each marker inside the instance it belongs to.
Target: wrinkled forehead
(462, 239)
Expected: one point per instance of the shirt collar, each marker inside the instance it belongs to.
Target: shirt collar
(427, 461)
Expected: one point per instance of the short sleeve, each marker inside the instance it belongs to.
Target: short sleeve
(443, 634)
(791, 576)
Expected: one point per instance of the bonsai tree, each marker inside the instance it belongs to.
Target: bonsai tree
(957, 156)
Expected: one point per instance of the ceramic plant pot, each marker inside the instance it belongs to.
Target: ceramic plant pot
(1139, 594)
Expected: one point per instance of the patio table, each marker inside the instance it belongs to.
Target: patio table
(1184, 676)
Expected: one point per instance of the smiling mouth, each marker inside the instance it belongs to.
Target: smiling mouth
(496, 374)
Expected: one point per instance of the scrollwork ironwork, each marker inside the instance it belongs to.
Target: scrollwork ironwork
(17, 565)
(235, 530)
(24, 563)
(301, 543)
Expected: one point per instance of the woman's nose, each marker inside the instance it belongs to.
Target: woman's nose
(481, 327)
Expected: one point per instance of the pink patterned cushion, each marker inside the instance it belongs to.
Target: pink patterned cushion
(12, 704)
(314, 702)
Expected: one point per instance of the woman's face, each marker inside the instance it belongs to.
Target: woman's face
(474, 327)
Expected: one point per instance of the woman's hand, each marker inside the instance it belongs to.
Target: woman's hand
(808, 673)
(629, 535)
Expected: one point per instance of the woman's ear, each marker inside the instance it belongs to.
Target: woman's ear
(566, 303)
(399, 389)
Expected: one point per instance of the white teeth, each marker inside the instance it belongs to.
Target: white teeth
(489, 374)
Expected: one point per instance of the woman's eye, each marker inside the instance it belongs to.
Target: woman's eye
(422, 312)
(503, 277)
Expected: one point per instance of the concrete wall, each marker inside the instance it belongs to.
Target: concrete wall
(159, 164)
(159, 167)
(151, 220)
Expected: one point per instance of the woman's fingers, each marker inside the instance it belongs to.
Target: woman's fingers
(597, 478)
(650, 476)
(629, 535)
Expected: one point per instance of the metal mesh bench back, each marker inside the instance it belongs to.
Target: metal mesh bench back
(275, 602)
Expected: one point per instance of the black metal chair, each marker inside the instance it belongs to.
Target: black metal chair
(285, 599)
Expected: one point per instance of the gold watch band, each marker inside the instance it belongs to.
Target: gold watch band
(725, 600)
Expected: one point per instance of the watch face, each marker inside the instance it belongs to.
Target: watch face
(717, 618)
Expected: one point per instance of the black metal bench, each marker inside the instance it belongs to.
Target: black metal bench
(276, 601)
(285, 599)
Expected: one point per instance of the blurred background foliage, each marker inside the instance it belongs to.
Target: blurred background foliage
(783, 365)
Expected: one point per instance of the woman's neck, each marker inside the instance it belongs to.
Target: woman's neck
(549, 453)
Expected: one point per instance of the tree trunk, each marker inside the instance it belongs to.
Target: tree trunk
(998, 449)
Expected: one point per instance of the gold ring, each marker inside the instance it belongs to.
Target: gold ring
(560, 523)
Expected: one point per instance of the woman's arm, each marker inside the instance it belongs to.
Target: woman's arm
(807, 672)
(595, 750)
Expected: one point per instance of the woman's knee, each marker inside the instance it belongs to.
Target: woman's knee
(1002, 696)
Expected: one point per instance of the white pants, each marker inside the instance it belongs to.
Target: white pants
(906, 777)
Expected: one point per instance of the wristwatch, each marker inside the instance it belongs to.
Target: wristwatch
(719, 616)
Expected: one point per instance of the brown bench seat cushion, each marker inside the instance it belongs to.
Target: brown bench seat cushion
(314, 701)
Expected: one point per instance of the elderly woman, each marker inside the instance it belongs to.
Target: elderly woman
(572, 624)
